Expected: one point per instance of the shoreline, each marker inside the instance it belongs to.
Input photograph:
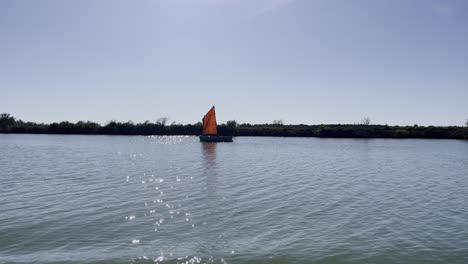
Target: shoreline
(460, 133)
(9, 124)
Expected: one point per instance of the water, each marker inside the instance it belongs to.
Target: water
(112, 199)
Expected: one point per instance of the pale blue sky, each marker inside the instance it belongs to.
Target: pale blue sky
(303, 61)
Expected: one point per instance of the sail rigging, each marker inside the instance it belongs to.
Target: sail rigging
(209, 123)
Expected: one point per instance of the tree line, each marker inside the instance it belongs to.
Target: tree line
(9, 124)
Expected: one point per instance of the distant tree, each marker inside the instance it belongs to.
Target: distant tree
(111, 123)
(232, 126)
(365, 121)
(6, 120)
(197, 128)
(87, 127)
(162, 121)
(111, 127)
(231, 123)
(466, 123)
(278, 122)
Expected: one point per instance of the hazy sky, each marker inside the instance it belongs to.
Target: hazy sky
(302, 61)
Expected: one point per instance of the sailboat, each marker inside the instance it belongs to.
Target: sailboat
(210, 129)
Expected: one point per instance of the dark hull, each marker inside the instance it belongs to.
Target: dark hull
(206, 138)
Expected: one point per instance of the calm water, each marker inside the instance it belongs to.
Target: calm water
(111, 199)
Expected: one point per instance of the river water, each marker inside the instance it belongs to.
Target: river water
(134, 199)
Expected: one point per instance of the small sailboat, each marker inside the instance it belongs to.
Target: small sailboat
(210, 129)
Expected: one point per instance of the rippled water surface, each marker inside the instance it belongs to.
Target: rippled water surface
(112, 199)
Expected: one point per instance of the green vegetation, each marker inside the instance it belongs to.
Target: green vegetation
(8, 124)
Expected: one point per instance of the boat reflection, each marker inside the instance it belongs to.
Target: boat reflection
(210, 169)
(209, 155)
(213, 201)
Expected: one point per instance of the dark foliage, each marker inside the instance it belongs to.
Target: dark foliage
(9, 124)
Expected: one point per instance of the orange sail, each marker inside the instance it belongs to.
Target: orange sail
(209, 123)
